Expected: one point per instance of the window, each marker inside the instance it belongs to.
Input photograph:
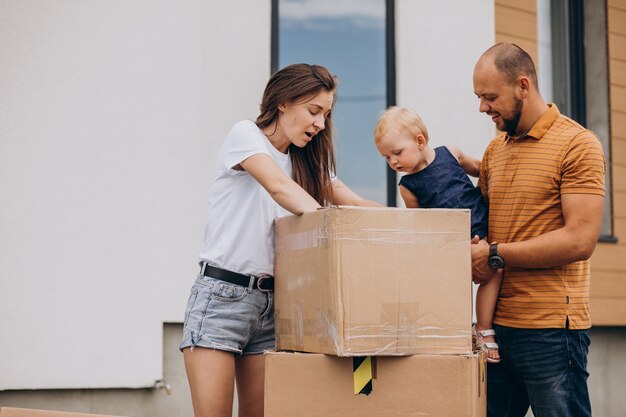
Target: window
(349, 37)
(573, 72)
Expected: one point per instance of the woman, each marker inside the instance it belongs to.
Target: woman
(281, 164)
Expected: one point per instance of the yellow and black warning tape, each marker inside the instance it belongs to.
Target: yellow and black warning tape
(362, 374)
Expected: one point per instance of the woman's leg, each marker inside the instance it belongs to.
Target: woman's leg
(486, 299)
(211, 375)
(250, 371)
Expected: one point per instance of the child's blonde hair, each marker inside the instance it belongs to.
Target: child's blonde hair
(401, 118)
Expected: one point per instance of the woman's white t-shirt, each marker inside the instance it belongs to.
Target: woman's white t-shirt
(239, 233)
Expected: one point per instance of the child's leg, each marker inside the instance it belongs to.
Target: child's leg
(486, 298)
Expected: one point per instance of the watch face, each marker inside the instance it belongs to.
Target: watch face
(496, 262)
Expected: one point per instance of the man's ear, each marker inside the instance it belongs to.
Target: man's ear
(524, 84)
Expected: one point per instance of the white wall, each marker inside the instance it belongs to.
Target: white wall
(544, 45)
(437, 46)
(110, 116)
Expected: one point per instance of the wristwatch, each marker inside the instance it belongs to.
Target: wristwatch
(495, 259)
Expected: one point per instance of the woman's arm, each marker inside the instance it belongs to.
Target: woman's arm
(344, 196)
(281, 188)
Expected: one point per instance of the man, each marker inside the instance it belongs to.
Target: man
(543, 177)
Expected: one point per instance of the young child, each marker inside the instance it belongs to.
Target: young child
(438, 178)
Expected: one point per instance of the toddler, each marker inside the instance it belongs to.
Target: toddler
(438, 178)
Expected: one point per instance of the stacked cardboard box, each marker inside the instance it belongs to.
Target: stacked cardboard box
(375, 282)
(27, 412)
(314, 385)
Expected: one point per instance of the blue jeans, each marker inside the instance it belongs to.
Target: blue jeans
(545, 369)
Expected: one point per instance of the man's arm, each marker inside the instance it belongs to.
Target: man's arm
(575, 241)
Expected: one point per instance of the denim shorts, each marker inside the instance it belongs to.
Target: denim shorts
(228, 317)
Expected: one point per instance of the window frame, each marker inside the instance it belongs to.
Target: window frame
(390, 68)
(574, 26)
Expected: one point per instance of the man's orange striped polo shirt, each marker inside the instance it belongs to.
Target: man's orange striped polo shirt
(523, 179)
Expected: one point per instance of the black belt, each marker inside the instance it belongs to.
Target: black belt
(261, 283)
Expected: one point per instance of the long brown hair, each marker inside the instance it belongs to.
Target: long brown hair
(311, 165)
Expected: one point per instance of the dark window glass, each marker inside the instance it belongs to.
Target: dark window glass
(348, 37)
(580, 75)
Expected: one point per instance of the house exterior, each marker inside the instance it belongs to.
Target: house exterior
(608, 290)
(111, 114)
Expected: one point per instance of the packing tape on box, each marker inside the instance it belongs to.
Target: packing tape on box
(320, 239)
(362, 374)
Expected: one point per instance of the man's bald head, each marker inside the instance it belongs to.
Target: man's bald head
(512, 61)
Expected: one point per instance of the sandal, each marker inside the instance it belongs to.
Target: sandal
(479, 343)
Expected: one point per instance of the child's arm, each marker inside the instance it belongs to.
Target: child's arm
(410, 201)
(470, 165)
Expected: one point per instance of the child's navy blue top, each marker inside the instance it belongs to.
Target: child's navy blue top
(444, 184)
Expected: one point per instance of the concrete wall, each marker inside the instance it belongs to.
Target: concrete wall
(608, 377)
(143, 402)
(111, 113)
(110, 116)
(437, 46)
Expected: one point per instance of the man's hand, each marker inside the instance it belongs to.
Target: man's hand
(481, 271)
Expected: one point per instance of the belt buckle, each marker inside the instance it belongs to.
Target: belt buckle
(259, 280)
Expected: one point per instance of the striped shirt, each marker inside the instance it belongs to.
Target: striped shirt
(523, 179)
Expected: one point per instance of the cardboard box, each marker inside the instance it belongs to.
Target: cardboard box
(25, 412)
(313, 385)
(374, 281)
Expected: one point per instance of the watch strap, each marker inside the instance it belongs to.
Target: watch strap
(493, 249)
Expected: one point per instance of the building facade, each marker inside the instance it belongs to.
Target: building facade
(111, 115)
